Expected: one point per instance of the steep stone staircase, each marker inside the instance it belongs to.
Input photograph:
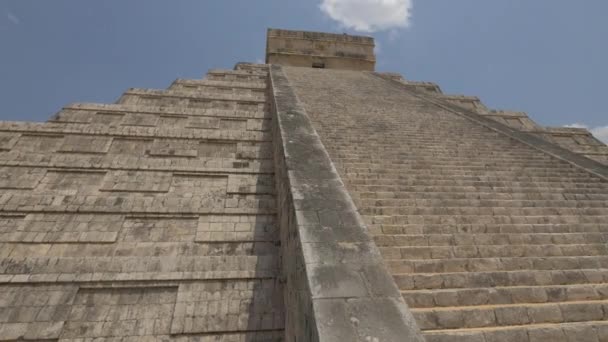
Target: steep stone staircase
(487, 238)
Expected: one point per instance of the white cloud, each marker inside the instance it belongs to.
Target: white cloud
(369, 15)
(13, 18)
(600, 132)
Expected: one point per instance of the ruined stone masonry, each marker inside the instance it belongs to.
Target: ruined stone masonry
(307, 199)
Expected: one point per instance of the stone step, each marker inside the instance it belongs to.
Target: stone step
(528, 238)
(446, 157)
(497, 203)
(381, 179)
(493, 251)
(481, 195)
(502, 211)
(466, 163)
(490, 264)
(509, 314)
(438, 161)
(564, 182)
(596, 331)
(464, 280)
(420, 144)
(404, 178)
(432, 149)
(470, 175)
(454, 171)
(549, 188)
(484, 219)
(431, 154)
(383, 143)
(417, 229)
(411, 134)
(472, 168)
(427, 147)
(505, 295)
(397, 169)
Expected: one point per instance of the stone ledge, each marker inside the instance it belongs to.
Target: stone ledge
(58, 128)
(82, 162)
(337, 286)
(312, 54)
(185, 94)
(320, 36)
(239, 72)
(221, 84)
(166, 111)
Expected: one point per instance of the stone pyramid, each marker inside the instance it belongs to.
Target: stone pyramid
(306, 199)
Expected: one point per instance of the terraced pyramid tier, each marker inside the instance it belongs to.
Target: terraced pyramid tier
(150, 219)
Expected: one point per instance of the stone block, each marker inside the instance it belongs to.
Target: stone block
(137, 181)
(20, 178)
(85, 144)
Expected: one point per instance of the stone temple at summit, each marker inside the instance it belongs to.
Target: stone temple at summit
(308, 199)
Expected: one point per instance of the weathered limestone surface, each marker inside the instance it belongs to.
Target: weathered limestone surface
(152, 219)
(488, 236)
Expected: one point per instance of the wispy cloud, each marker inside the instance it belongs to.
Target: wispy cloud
(369, 15)
(377, 48)
(393, 35)
(577, 125)
(600, 132)
(12, 18)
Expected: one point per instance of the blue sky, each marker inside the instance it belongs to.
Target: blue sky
(545, 57)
